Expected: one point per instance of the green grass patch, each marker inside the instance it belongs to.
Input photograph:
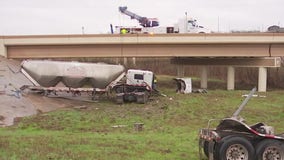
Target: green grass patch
(104, 131)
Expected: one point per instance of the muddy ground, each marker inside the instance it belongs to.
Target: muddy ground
(15, 103)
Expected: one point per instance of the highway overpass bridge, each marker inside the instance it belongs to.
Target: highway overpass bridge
(233, 50)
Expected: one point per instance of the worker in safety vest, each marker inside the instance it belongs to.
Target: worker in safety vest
(123, 31)
(155, 82)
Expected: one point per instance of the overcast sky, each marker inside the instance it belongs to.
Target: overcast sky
(25, 17)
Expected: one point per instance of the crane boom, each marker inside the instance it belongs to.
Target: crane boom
(143, 21)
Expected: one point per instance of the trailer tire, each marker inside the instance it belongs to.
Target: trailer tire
(205, 148)
(235, 148)
(118, 89)
(268, 149)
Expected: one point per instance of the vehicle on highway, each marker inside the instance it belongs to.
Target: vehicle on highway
(151, 25)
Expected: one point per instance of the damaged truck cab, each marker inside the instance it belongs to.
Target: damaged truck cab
(139, 85)
(233, 139)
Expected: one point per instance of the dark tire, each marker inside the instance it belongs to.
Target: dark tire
(270, 150)
(206, 149)
(119, 89)
(235, 148)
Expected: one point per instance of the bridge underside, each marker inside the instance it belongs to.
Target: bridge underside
(261, 62)
(235, 62)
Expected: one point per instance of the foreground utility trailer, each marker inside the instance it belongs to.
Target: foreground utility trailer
(233, 139)
(54, 77)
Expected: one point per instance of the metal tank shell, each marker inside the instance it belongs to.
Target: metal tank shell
(72, 74)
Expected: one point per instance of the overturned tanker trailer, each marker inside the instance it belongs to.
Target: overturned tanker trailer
(75, 78)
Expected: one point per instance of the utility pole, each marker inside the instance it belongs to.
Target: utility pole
(83, 30)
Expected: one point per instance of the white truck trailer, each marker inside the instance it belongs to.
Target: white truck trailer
(75, 78)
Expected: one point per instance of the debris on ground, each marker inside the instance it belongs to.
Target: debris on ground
(255, 95)
(81, 107)
(199, 91)
(119, 126)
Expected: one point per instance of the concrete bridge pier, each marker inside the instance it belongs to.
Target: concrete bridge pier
(262, 79)
(134, 61)
(125, 61)
(129, 61)
(180, 70)
(3, 50)
(231, 78)
(204, 77)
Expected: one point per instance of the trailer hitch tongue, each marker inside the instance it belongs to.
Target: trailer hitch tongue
(237, 112)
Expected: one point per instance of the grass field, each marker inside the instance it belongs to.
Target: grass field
(104, 130)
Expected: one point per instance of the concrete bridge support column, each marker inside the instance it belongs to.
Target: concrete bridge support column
(262, 79)
(125, 61)
(204, 77)
(180, 70)
(231, 78)
(3, 50)
(117, 61)
(134, 61)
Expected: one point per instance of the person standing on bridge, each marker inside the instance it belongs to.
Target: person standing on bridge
(123, 31)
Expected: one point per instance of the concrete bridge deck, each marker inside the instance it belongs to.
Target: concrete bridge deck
(143, 45)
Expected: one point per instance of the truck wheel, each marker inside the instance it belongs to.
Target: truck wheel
(236, 148)
(119, 89)
(270, 149)
(205, 148)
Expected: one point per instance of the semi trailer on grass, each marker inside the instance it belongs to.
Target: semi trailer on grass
(62, 79)
(233, 139)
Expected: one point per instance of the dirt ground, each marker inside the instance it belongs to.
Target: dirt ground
(14, 103)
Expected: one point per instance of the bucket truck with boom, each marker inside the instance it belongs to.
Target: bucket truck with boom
(151, 25)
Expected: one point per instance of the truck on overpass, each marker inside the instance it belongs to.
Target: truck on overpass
(275, 29)
(151, 25)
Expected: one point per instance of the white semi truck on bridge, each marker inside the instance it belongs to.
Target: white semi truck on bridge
(151, 25)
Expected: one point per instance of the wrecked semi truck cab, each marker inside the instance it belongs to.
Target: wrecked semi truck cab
(233, 139)
(139, 85)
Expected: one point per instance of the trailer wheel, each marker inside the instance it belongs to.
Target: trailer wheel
(270, 150)
(205, 148)
(236, 148)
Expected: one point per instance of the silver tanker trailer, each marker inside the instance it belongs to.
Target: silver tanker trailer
(53, 77)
